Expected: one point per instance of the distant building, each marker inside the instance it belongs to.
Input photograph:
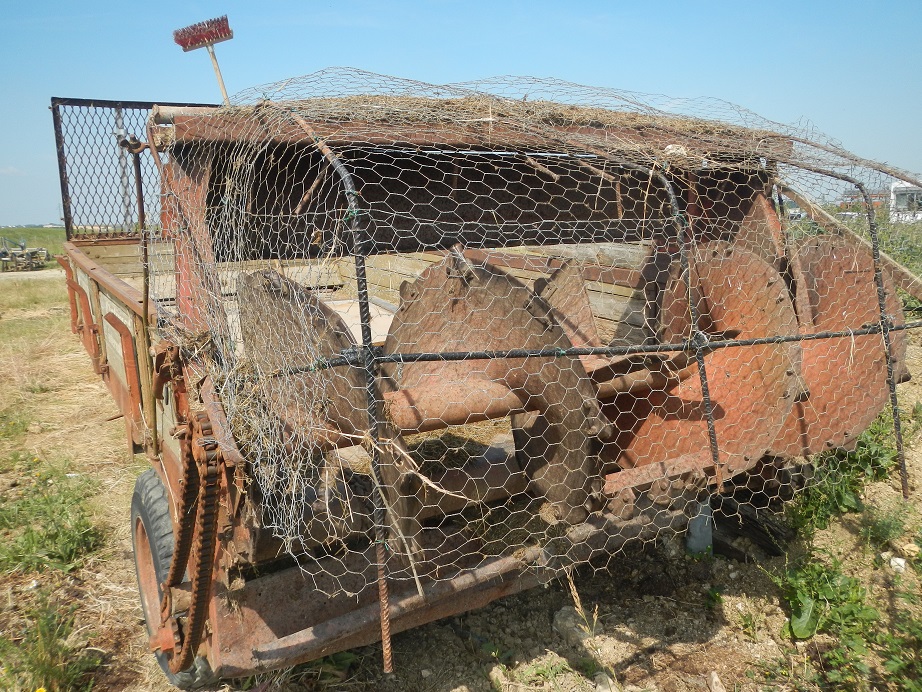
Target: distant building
(854, 200)
(905, 203)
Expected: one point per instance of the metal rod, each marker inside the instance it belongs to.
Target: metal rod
(128, 105)
(145, 268)
(360, 246)
(905, 176)
(886, 322)
(121, 135)
(639, 349)
(698, 339)
(62, 167)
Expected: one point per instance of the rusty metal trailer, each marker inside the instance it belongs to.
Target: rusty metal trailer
(647, 337)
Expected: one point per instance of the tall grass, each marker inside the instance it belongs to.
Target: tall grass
(45, 524)
(41, 652)
(28, 294)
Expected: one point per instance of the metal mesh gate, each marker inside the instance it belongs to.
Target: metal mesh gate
(98, 186)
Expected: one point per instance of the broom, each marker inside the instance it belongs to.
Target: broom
(205, 35)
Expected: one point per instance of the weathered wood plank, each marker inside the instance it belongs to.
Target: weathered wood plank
(616, 308)
(625, 255)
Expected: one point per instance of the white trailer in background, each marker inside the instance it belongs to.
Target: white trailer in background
(905, 203)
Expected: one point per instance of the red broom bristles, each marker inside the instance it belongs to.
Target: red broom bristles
(203, 33)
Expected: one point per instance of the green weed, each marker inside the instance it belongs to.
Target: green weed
(588, 666)
(793, 672)
(12, 424)
(823, 600)
(841, 475)
(901, 650)
(42, 653)
(879, 527)
(37, 387)
(713, 599)
(751, 623)
(903, 242)
(544, 671)
(46, 524)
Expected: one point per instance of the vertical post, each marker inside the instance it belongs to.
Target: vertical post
(62, 167)
(145, 267)
(360, 250)
(885, 326)
(125, 185)
(698, 340)
(360, 243)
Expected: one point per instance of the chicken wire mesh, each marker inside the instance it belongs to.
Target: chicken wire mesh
(98, 187)
(516, 324)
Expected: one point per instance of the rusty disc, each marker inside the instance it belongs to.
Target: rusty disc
(846, 377)
(752, 388)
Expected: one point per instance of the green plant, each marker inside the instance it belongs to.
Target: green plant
(544, 671)
(903, 242)
(587, 666)
(911, 305)
(901, 650)
(841, 475)
(714, 597)
(46, 524)
(878, 527)
(822, 599)
(791, 672)
(37, 387)
(12, 424)
(43, 655)
(751, 622)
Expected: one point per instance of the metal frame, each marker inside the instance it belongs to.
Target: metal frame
(58, 104)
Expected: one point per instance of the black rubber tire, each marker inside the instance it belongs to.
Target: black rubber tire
(150, 507)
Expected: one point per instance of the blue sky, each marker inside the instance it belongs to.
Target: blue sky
(850, 68)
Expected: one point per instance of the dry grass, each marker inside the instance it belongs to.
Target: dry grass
(500, 120)
(49, 384)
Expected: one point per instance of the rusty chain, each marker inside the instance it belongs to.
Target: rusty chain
(195, 543)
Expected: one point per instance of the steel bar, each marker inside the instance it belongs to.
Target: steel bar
(885, 323)
(62, 166)
(360, 246)
(885, 319)
(635, 349)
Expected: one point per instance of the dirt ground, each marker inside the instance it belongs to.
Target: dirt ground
(658, 624)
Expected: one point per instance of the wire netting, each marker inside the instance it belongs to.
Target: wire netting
(98, 190)
(519, 323)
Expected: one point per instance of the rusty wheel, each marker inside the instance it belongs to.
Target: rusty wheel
(152, 543)
(752, 388)
(846, 377)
